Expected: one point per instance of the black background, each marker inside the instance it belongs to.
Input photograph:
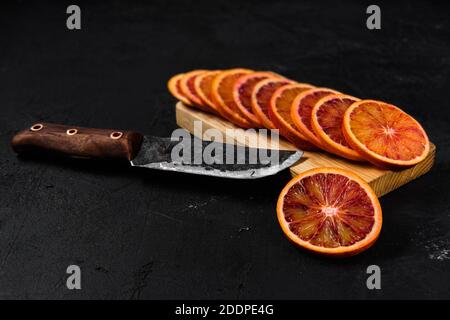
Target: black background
(145, 234)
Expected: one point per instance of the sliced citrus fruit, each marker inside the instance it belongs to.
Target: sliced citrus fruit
(174, 88)
(242, 94)
(280, 114)
(326, 121)
(222, 94)
(384, 134)
(330, 211)
(301, 111)
(188, 88)
(262, 92)
(203, 85)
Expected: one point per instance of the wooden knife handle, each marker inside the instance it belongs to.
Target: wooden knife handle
(77, 141)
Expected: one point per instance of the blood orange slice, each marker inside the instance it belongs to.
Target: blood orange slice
(222, 94)
(384, 134)
(203, 85)
(174, 88)
(330, 211)
(260, 99)
(188, 88)
(242, 94)
(301, 111)
(280, 114)
(326, 121)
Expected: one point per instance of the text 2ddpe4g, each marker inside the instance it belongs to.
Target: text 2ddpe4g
(245, 309)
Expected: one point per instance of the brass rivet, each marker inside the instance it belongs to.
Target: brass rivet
(71, 132)
(36, 127)
(116, 135)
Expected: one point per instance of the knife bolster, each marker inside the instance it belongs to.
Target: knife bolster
(77, 141)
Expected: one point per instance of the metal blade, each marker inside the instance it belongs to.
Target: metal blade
(192, 155)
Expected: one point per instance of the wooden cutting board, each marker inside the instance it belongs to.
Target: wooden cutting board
(382, 181)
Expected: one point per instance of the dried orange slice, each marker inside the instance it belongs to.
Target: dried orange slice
(384, 134)
(301, 111)
(326, 121)
(260, 99)
(242, 94)
(222, 94)
(330, 211)
(174, 88)
(280, 114)
(203, 85)
(188, 88)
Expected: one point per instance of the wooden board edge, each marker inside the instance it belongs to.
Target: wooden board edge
(392, 180)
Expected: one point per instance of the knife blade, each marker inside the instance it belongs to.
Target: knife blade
(188, 154)
(245, 162)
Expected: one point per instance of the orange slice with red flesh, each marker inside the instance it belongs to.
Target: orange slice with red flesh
(330, 211)
(174, 88)
(384, 134)
(222, 94)
(242, 94)
(301, 111)
(203, 86)
(260, 99)
(188, 89)
(326, 121)
(280, 114)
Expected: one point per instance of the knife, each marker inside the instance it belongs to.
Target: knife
(182, 154)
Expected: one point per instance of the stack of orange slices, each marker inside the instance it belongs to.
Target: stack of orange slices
(310, 117)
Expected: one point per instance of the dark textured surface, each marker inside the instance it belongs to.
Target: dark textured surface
(144, 234)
